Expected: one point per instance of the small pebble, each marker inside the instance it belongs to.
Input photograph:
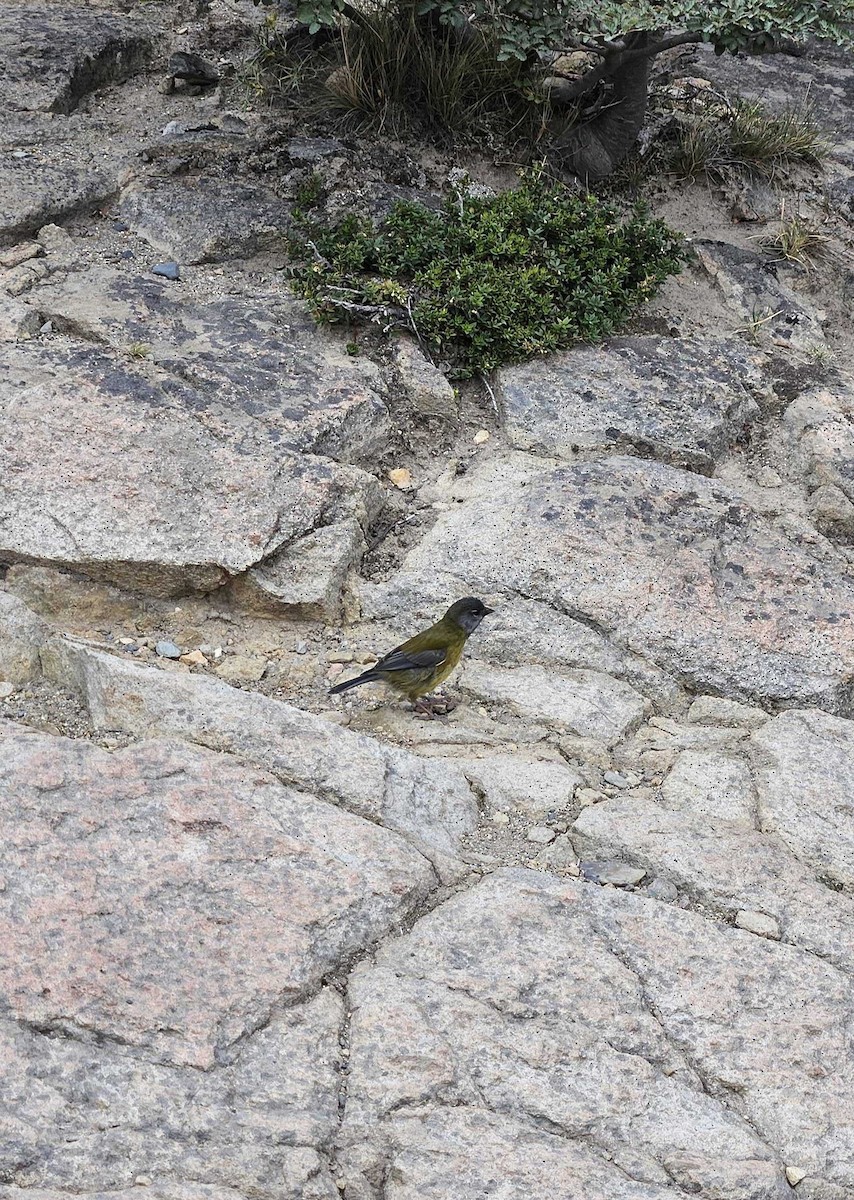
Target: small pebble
(481, 436)
(795, 1175)
(759, 923)
(47, 327)
(127, 641)
(401, 477)
(168, 270)
(615, 873)
(121, 226)
(500, 818)
(768, 477)
(167, 650)
(541, 834)
(194, 659)
(339, 656)
(301, 648)
(586, 796)
(662, 889)
(615, 779)
(6, 690)
(335, 670)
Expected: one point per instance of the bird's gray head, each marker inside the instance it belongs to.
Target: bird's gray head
(467, 613)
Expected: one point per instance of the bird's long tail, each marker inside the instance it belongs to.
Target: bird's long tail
(365, 677)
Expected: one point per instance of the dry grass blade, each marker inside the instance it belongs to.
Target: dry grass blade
(750, 139)
(798, 239)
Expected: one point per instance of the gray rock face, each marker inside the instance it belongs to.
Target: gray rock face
(522, 783)
(644, 1032)
(22, 635)
(426, 800)
(674, 566)
(54, 55)
(181, 897)
(804, 763)
(259, 358)
(749, 284)
(682, 401)
(238, 219)
(257, 1124)
(583, 702)
(816, 438)
(129, 480)
(307, 579)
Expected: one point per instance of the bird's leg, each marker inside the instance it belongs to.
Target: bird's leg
(433, 706)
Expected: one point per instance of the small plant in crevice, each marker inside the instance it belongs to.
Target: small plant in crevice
(745, 137)
(488, 280)
(797, 239)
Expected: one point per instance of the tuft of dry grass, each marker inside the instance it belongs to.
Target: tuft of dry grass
(747, 138)
(797, 239)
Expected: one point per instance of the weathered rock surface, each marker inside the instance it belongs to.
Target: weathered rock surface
(53, 55)
(518, 782)
(584, 702)
(524, 631)
(258, 357)
(749, 284)
(133, 479)
(306, 580)
(725, 867)
(676, 567)
(426, 800)
(257, 1124)
(171, 898)
(239, 219)
(22, 635)
(663, 1043)
(683, 401)
(804, 765)
(816, 441)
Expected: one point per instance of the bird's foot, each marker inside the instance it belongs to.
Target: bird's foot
(430, 707)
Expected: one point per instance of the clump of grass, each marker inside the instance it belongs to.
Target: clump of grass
(489, 280)
(748, 138)
(797, 239)
(277, 70)
(397, 70)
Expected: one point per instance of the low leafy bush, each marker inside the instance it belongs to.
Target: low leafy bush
(489, 280)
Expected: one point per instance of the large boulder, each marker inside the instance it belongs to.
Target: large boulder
(260, 357)
(55, 54)
(425, 800)
(683, 401)
(531, 1014)
(171, 899)
(675, 567)
(133, 478)
(199, 219)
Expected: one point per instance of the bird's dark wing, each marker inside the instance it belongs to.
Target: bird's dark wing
(410, 660)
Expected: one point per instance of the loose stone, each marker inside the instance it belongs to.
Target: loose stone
(614, 873)
(168, 270)
(541, 834)
(167, 650)
(758, 923)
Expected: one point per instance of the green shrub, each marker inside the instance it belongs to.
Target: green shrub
(493, 280)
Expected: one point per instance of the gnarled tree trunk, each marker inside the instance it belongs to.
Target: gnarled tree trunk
(593, 147)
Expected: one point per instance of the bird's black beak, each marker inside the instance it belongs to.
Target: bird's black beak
(487, 611)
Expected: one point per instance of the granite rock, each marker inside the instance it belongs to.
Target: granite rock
(168, 898)
(682, 401)
(670, 565)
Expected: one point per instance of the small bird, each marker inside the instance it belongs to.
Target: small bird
(426, 660)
